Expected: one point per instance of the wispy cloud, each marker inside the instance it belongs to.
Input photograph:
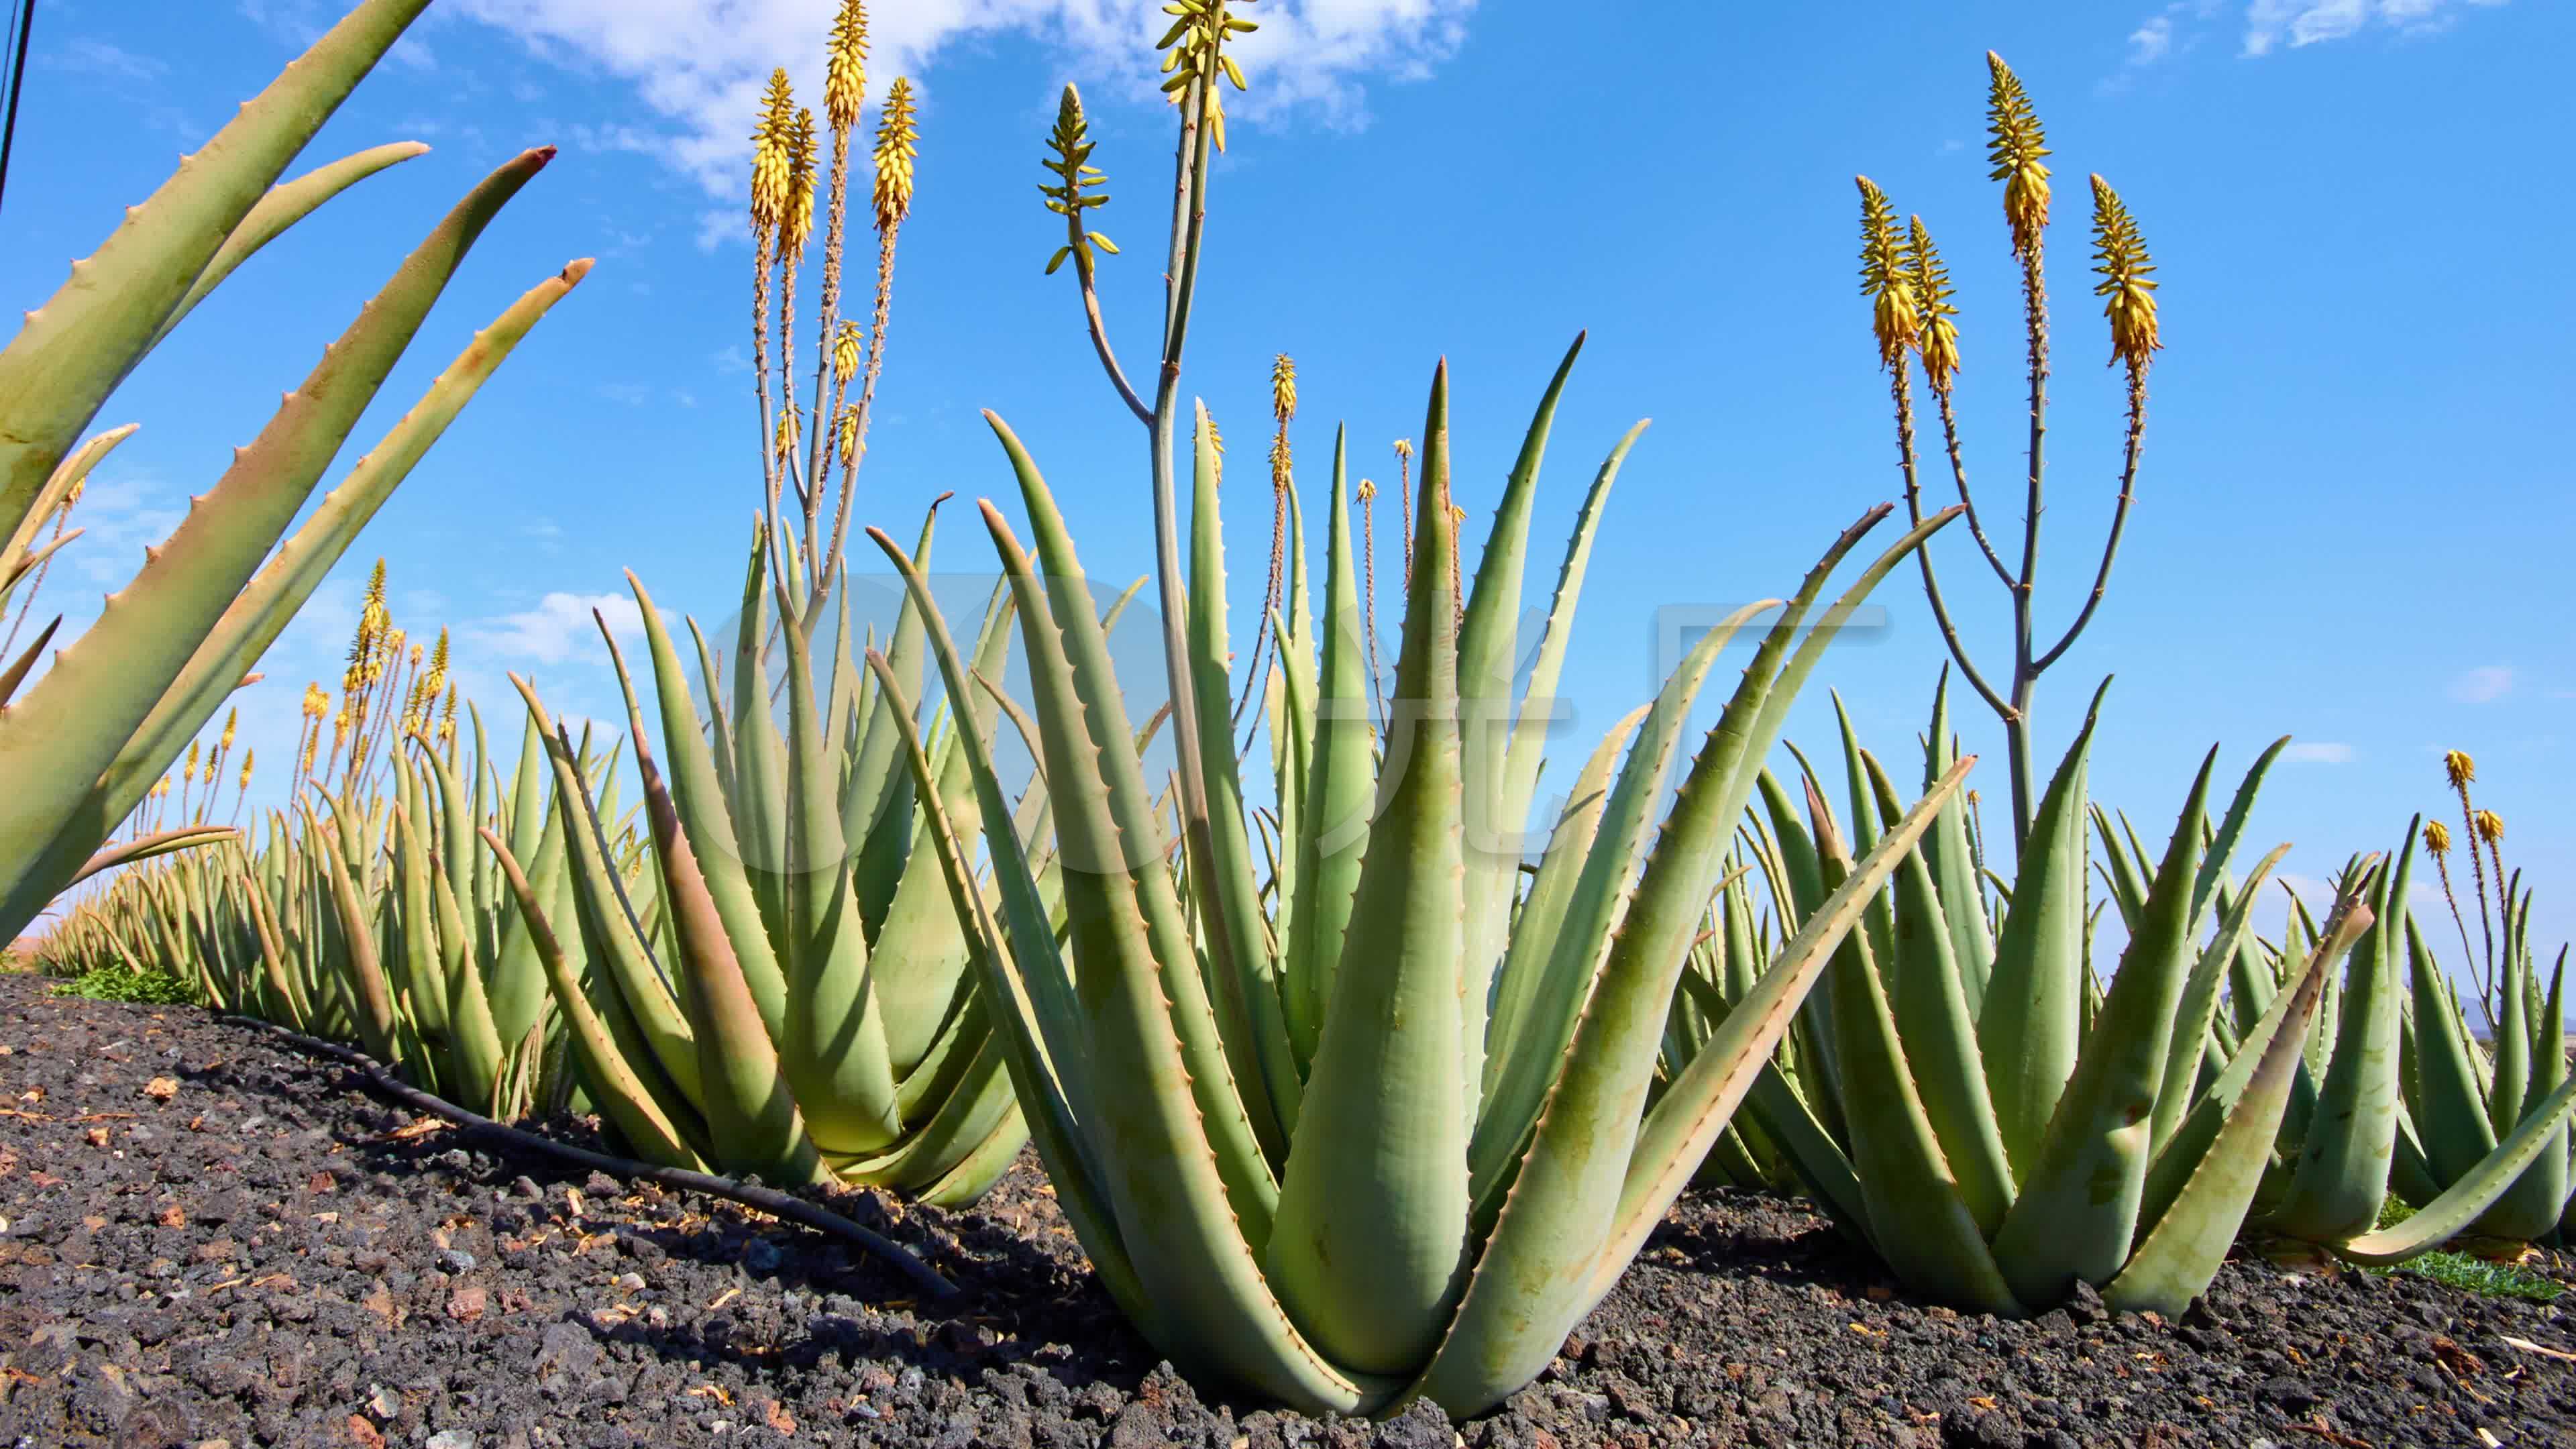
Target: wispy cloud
(559, 628)
(2261, 27)
(2272, 23)
(2319, 752)
(700, 67)
(98, 57)
(2483, 685)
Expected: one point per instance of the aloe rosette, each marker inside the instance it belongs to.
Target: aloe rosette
(1422, 1196)
(803, 1007)
(2000, 1132)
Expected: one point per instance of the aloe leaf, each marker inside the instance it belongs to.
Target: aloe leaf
(147, 847)
(1919, 1212)
(1543, 909)
(633, 979)
(1573, 948)
(2531, 1206)
(2191, 1045)
(1369, 1251)
(1936, 1038)
(640, 1116)
(2341, 1179)
(281, 207)
(1126, 840)
(1530, 728)
(1486, 643)
(203, 629)
(1245, 991)
(754, 1109)
(73, 351)
(1549, 1260)
(1168, 1184)
(362, 972)
(2034, 1001)
(836, 1053)
(2192, 1230)
(1339, 788)
(2077, 1212)
(1954, 863)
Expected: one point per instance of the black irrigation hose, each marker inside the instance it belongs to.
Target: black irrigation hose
(23, 15)
(767, 1199)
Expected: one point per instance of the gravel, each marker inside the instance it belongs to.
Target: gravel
(212, 1240)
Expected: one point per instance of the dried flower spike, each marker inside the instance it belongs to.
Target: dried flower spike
(845, 66)
(896, 138)
(1894, 318)
(2015, 147)
(2120, 255)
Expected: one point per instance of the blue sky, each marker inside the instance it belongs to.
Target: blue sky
(2353, 513)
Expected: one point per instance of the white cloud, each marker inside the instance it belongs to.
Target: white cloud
(2270, 23)
(2152, 41)
(2483, 685)
(701, 66)
(559, 628)
(98, 57)
(2319, 752)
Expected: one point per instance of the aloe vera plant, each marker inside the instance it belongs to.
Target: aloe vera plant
(1993, 1123)
(1299, 1148)
(2400, 1097)
(801, 1006)
(82, 743)
(804, 1009)
(370, 913)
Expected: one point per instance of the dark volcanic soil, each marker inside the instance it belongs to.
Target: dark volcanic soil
(212, 1239)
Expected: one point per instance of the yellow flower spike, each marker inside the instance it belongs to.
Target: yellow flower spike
(2490, 827)
(1403, 448)
(798, 225)
(1283, 388)
(2457, 765)
(2121, 257)
(2015, 146)
(896, 138)
(848, 423)
(769, 155)
(2437, 837)
(1896, 318)
(210, 768)
(1196, 43)
(1366, 491)
(232, 722)
(787, 430)
(1071, 195)
(845, 66)
(1937, 340)
(248, 757)
(1280, 460)
(845, 351)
